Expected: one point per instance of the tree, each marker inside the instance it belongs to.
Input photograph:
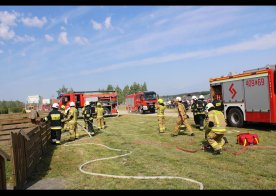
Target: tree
(64, 89)
(120, 94)
(134, 88)
(144, 87)
(110, 88)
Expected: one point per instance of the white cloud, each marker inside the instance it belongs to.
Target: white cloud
(81, 40)
(63, 38)
(25, 38)
(62, 28)
(261, 43)
(107, 22)
(96, 25)
(49, 38)
(34, 22)
(5, 32)
(8, 18)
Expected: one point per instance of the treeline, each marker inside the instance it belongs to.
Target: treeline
(188, 95)
(134, 88)
(7, 107)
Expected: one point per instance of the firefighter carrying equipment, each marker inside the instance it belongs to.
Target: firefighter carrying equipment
(246, 139)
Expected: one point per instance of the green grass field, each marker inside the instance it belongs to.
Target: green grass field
(156, 155)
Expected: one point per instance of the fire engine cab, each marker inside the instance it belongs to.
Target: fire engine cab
(247, 97)
(141, 102)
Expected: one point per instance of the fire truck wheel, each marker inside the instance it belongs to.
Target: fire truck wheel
(106, 111)
(235, 118)
(140, 110)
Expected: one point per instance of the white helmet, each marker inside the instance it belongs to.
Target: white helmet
(194, 97)
(178, 98)
(55, 105)
(209, 105)
(72, 104)
(87, 103)
(201, 97)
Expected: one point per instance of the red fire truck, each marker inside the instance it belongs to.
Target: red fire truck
(141, 102)
(108, 99)
(247, 97)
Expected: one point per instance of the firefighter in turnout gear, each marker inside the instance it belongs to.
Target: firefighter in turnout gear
(160, 115)
(200, 111)
(72, 121)
(56, 118)
(88, 118)
(100, 119)
(194, 110)
(182, 119)
(216, 128)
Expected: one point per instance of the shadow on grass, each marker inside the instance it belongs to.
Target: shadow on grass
(261, 126)
(42, 168)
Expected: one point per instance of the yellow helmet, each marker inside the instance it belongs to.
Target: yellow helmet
(160, 101)
(99, 104)
(62, 107)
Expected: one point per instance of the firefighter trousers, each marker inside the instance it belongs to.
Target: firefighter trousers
(215, 140)
(161, 123)
(73, 130)
(180, 122)
(100, 122)
(55, 135)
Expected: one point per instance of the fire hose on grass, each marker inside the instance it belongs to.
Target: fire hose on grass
(123, 177)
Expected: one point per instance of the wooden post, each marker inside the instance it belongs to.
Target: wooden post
(3, 157)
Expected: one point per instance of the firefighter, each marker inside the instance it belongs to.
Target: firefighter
(200, 111)
(182, 119)
(193, 108)
(56, 118)
(216, 128)
(160, 115)
(100, 119)
(72, 121)
(217, 102)
(88, 118)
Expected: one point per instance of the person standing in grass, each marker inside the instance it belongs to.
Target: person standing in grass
(56, 118)
(161, 115)
(100, 119)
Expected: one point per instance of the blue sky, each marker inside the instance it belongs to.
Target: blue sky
(174, 49)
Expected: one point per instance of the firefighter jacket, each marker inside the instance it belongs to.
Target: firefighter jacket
(218, 120)
(193, 107)
(56, 118)
(218, 105)
(200, 107)
(87, 113)
(72, 115)
(99, 111)
(62, 112)
(181, 111)
(161, 110)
